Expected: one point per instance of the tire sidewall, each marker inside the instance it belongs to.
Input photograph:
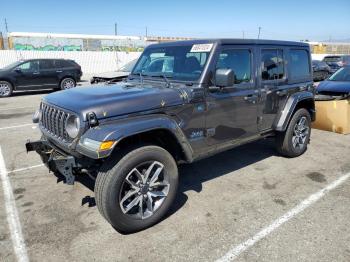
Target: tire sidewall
(65, 79)
(120, 171)
(11, 88)
(296, 117)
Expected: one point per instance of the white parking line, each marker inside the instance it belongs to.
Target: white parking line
(15, 108)
(9, 127)
(237, 250)
(12, 214)
(24, 169)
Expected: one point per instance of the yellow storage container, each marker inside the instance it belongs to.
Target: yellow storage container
(333, 116)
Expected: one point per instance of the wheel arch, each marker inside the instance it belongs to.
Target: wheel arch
(296, 101)
(8, 80)
(154, 129)
(67, 76)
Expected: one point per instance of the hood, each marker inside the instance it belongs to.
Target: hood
(114, 100)
(333, 87)
(111, 74)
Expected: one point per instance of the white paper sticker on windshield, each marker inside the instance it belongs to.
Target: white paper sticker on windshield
(201, 48)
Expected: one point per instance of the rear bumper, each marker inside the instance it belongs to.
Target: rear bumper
(55, 160)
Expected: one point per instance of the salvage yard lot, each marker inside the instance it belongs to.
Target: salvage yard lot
(222, 202)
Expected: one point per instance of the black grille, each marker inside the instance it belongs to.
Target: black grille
(53, 121)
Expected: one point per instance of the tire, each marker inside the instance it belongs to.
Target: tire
(67, 83)
(293, 142)
(6, 89)
(119, 200)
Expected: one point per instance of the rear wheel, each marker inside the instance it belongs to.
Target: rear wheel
(293, 142)
(5, 89)
(67, 83)
(135, 192)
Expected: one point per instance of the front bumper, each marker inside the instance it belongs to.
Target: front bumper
(55, 159)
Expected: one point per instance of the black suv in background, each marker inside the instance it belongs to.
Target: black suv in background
(321, 70)
(35, 74)
(183, 101)
(336, 61)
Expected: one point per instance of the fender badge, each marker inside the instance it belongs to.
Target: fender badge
(162, 103)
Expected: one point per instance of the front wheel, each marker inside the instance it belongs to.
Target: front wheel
(5, 89)
(135, 192)
(293, 142)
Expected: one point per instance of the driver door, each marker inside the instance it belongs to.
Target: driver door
(28, 75)
(232, 111)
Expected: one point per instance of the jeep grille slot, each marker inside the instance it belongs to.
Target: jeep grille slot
(53, 120)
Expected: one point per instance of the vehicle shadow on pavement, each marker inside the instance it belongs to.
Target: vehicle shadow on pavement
(27, 93)
(192, 176)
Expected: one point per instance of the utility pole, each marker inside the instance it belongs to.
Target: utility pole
(243, 34)
(259, 32)
(116, 29)
(6, 26)
(146, 31)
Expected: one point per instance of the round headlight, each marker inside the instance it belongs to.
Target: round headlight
(73, 126)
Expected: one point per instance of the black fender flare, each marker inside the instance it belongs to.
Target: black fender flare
(120, 129)
(285, 115)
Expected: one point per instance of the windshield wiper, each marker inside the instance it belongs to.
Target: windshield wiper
(168, 83)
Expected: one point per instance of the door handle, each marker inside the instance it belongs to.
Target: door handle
(59, 71)
(36, 73)
(251, 98)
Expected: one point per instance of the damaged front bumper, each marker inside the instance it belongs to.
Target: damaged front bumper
(55, 159)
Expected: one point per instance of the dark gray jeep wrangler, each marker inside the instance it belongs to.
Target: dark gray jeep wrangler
(183, 101)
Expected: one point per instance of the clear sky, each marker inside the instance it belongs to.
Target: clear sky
(284, 19)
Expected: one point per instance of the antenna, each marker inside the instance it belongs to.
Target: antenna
(6, 26)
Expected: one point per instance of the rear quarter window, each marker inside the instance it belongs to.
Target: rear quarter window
(299, 64)
(63, 64)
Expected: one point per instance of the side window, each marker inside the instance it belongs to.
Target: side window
(45, 64)
(272, 64)
(58, 64)
(29, 66)
(62, 64)
(299, 64)
(239, 60)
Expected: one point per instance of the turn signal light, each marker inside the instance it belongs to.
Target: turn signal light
(106, 145)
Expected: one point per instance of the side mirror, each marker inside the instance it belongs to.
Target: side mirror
(224, 77)
(18, 70)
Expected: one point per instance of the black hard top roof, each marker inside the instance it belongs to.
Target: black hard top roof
(233, 41)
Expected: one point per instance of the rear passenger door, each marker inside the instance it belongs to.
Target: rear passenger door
(48, 73)
(273, 84)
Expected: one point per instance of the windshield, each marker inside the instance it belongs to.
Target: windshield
(12, 65)
(128, 66)
(184, 63)
(343, 74)
(332, 59)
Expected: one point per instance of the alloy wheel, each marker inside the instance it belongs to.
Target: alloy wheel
(5, 89)
(300, 133)
(68, 83)
(144, 190)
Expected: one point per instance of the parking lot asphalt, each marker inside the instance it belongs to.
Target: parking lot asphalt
(223, 201)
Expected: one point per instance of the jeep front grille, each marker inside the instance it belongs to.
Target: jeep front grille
(53, 120)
